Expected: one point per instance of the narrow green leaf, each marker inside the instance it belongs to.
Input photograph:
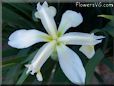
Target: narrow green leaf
(111, 17)
(23, 52)
(14, 59)
(59, 77)
(92, 63)
(11, 74)
(52, 74)
(30, 57)
(23, 7)
(47, 69)
(96, 30)
(111, 23)
(8, 65)
(17, 58)
(22, 77)
(109, 28)
(13, 18)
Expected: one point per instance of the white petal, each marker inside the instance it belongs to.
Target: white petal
(78, 38)
(39, 76)
(88, 50)
(42, 55)
(46, 14)
(25, 38)
(69, 19)
(45, 4)
(52, 10)
(71, 65)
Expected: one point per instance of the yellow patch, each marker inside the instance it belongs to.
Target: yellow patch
(89, 47)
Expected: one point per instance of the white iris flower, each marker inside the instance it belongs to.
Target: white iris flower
(57, 40)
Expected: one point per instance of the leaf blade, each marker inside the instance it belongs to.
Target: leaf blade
(90, 67)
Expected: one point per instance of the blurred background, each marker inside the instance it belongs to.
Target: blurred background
(100, 69)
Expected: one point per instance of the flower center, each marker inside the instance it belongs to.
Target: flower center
(50, 38)
(57, 41)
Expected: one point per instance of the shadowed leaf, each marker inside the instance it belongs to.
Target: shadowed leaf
(91, 65)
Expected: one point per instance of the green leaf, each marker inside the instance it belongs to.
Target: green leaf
(9, 52)
(13, 18)
(52, 74)
(109, 28)
(8, 65)
(111, 17)
(92, 63)
(14, 59)
(111, 23)
(95, 31)
(23, 52)
(18, 58)
(109, 63)
(30, 57)
(12, 74)
(24, 8)
(22, 77)
(47, 69)
(59, 77)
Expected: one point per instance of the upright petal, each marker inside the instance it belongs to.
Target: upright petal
(78, 38)
(46, 14)
(40, 58)
(88, 50)
(25, 38)
(69, 19)
(71, 64)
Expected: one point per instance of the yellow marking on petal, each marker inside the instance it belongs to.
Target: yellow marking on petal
(89, 47)
(88, 50)
(47, 38)
(59, 34)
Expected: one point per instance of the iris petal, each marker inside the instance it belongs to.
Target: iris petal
(69, 19)
(25, 38)
(71, 64)
(78, 38)
(46, 14)
(41, 56)
(88, 50)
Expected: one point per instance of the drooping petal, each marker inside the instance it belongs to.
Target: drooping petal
(78, 38)
(69, 19)
(88, 50)
(71, 64)
(25, 38)
(39, 76)
(42, 55)
(46, 14)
